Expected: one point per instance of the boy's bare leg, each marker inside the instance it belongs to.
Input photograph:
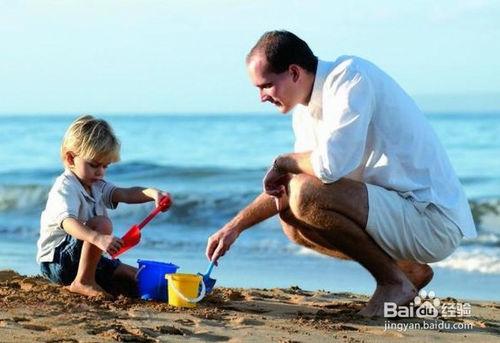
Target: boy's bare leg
(124, 280)
(335, 216)
(85, 282)
(126, 272)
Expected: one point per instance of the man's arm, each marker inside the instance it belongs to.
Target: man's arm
(294, 163)
(277, 178)
(262, 208)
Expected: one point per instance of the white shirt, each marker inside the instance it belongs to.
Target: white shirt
(359, 121)
(68, 199)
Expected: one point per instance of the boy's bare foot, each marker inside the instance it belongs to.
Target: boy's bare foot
(399, 293)
(89, 290)
(419, 274)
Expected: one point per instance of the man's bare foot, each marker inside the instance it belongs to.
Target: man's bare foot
(89, 290)
(399, 293)
(419, 274)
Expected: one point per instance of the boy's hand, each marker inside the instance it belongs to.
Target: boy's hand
(108, 243)
(157, 195)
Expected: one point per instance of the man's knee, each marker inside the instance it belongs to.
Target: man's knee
(101, 224)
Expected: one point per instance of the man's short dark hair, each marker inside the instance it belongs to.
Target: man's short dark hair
(283, 48)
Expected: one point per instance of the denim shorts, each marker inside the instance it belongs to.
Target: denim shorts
(64, 267)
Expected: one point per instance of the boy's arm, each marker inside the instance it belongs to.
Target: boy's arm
(137, 195)
(75, 228)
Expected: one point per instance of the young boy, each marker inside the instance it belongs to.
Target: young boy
(75, 228)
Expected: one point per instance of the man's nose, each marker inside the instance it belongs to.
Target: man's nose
(263, 96)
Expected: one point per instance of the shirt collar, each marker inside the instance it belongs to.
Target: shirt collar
(79, 185)
(314, 106)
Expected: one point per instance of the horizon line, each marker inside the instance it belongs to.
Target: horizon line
(211, 113)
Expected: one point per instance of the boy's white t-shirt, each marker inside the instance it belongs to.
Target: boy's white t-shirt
(69, 199)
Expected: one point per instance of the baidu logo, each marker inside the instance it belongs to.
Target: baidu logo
(425, 305)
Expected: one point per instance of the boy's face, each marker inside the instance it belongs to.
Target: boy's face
(87, 171)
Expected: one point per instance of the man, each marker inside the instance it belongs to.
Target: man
(368, 180)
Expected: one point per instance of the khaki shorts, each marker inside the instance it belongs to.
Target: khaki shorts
(409, 230)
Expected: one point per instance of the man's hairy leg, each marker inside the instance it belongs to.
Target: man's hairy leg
(292, 227)
(419, 274)
(336, 216)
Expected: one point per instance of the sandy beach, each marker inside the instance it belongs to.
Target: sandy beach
(32, 309)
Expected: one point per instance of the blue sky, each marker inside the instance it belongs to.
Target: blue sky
(146, 56)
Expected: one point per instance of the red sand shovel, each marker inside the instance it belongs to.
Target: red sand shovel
(133, 235)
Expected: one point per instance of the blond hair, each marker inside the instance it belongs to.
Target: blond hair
(91, 139)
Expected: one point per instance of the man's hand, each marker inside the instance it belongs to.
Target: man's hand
(220, 242)
(108, 243)
(275, 182)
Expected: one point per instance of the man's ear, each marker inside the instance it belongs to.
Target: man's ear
(294, 72)
(70, 158)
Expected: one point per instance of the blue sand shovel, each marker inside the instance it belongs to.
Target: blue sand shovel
(207, 280)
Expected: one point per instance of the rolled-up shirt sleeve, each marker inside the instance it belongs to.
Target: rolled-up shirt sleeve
(348, 102)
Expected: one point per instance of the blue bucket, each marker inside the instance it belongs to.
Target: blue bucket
(151, 279)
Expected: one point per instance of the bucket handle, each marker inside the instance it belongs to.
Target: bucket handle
(185, 298)
(141, 268)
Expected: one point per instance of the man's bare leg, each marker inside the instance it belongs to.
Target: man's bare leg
(85, 282)
(419, 274)
(335, 216)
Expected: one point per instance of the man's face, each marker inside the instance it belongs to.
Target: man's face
(278, 89)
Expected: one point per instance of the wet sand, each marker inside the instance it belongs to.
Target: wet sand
(32, 309)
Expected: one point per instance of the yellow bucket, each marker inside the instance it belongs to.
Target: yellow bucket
(183, 289)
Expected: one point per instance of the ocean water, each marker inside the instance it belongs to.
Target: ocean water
(213, 165)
